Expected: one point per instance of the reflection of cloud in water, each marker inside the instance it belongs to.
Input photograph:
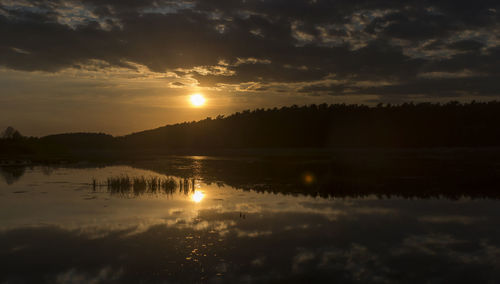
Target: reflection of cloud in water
(427, 244)
(252, 234)
(300, 259)
(331, 250)
(466, 220)
(259, 261)
(104, 275)
(358, 262)
(311, 239)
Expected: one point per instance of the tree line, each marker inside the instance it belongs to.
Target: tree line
(339, 125)
(408, 125)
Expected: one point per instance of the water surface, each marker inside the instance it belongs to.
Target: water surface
(56, 227)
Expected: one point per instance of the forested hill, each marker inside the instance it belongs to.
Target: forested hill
(314, 126)
(407, 125)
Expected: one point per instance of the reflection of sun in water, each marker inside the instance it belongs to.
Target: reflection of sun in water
(197, 100)
(197, 196)
(308, 178)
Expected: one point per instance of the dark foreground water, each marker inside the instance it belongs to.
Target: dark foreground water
(56, 227)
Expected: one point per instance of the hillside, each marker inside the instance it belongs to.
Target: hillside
(407, 125)
(422, 125)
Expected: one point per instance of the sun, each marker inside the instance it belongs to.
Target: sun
(197, 100)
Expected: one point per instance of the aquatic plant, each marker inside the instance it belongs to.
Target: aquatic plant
(119, 183)
(140, 185)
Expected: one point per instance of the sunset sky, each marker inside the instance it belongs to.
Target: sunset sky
(119, 66)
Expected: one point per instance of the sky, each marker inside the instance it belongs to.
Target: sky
(120, 66)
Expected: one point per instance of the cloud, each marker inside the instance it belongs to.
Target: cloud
(238, 42)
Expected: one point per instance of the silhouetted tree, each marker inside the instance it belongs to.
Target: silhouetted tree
(10, 133)
(340, 125)
(409, 125)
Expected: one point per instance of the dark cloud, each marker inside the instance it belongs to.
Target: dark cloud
(466, 45)
(234, 42)
(331, 89)
(483, 63)
(436, 87)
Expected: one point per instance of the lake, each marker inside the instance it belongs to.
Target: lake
(222, 223)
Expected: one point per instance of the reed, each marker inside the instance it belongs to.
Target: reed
(120, 183)
(141, 185)
(94, 184)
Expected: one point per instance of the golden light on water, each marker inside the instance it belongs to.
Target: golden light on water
(197, 100)
(197, 196)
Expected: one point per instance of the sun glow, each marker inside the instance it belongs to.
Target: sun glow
(197, 100)
(197, 196)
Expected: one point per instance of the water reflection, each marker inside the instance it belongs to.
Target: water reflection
(474, 174)
(65, 228)
(197, 196)
(11, 174)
